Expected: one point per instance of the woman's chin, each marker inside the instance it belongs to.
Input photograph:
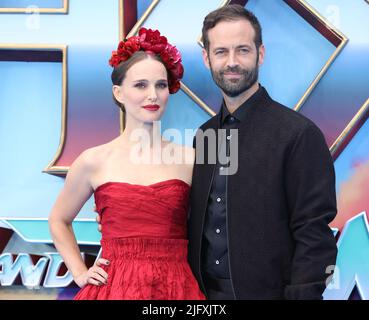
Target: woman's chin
(151, 120)
(153, 117)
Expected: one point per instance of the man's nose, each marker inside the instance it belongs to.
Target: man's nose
(232, 60)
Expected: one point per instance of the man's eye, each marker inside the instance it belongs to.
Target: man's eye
(219, 53)
(244, 51)
(140, 85)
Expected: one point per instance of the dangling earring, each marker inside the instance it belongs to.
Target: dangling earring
(123, 116)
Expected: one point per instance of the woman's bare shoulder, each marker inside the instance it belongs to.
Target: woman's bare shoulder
(92, 158)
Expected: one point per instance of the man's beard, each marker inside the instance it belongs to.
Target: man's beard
(234, 88)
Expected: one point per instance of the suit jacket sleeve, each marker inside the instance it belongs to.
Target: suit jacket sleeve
(189, 209)
(310, 189)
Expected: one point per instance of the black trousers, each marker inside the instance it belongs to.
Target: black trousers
(218, 289)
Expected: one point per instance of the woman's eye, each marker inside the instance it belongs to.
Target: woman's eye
(140, 85)
(163, 85)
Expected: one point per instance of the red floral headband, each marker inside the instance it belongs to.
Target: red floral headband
(151, 41)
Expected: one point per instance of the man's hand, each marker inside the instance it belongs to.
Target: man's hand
(98, 219)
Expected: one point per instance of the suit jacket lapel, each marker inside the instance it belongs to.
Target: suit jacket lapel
(205, 171)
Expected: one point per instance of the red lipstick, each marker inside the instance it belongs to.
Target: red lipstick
(152, 107)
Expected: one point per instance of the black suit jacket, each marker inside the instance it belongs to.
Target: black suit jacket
(279, 204)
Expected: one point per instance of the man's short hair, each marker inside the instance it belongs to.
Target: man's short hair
(232, 12)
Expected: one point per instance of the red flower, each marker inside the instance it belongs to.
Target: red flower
(174, 86)
(115, 59)
(151, 40)
(120, 47)
(172, 60)
(124, 51)
(170, 56)
(177, 71)
(131, 45)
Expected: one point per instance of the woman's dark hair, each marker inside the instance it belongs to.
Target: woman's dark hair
(232, 12)
(119, 72)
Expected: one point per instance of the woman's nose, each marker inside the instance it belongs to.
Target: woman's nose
(153, 95)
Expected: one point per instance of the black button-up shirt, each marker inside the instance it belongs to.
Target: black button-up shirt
(215, 245)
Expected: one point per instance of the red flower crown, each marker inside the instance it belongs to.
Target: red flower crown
(151, 41)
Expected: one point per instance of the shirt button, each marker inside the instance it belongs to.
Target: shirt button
(221, 168)
(217, 231)
(219, 199)
(229, 137)
(231, 118)
(216, 261)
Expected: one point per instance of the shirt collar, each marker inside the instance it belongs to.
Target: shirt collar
(240, 113)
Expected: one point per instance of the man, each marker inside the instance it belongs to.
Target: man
(261, 233)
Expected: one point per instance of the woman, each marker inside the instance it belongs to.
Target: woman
(143, 204)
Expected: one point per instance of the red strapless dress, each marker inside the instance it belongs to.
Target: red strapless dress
(144, 238)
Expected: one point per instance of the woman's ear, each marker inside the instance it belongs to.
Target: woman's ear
(117, 93)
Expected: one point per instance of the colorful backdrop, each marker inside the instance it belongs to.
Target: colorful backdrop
(55, 101)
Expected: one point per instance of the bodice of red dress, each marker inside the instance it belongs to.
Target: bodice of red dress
(158, 210)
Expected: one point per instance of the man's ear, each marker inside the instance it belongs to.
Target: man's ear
(261, 54)
(117, 93)
(205, 58)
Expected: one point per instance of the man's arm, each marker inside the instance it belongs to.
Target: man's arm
(193, 146)
(310, 188)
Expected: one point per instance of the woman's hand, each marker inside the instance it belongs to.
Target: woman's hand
(95, 275)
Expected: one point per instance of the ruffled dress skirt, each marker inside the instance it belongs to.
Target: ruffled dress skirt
(145, 269)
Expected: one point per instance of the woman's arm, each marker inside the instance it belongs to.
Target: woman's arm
(76, 191)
